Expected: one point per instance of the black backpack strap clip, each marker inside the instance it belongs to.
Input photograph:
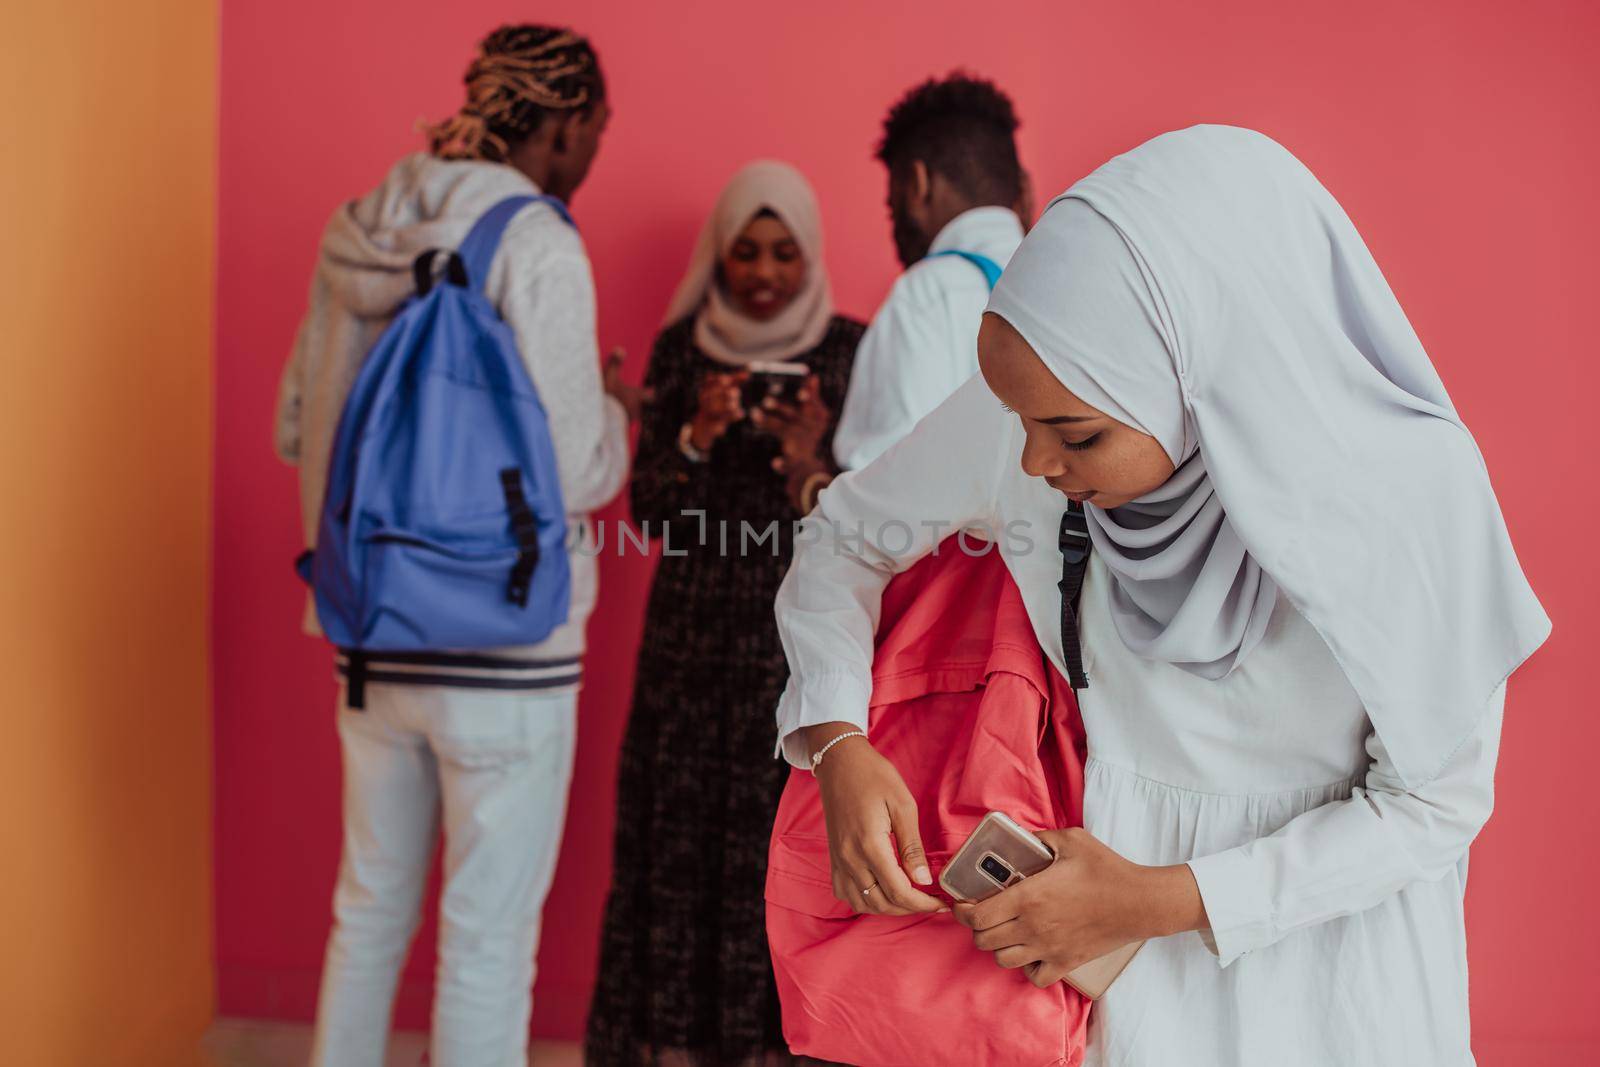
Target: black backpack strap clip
(526, 529)
(355, 679)
(1073, 541)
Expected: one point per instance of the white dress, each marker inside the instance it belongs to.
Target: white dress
(1182, 769)
(1334, 895)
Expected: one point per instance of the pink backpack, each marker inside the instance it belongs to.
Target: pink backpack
(974, 717)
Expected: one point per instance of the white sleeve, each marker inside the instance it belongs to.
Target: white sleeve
(546, 295)
(868, 526)
(1345, 857)
(917, 351)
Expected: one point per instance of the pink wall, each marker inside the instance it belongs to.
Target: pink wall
(1459, 136)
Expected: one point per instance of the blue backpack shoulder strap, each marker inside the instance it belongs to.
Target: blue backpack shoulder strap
(991, 269)
(481, 243)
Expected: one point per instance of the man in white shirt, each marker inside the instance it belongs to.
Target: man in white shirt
(482, 744)
(956, 189)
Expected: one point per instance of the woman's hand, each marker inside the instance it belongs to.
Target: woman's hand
(1090, 901)
(866, 801)
(719, 407)
(799, 427)
(633, 398)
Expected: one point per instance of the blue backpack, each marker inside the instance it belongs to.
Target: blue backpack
(442, 526)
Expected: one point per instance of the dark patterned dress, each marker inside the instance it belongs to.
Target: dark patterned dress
(685, 978)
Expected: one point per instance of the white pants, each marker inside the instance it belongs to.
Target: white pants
(497, 765)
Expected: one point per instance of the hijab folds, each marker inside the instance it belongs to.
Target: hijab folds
(721, 330)
(1205, 289)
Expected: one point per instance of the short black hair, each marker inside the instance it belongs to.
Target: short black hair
(964, 128)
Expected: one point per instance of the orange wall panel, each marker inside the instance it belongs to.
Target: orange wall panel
(105, 457)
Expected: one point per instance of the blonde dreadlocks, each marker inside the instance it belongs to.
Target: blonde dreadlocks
(520, 73)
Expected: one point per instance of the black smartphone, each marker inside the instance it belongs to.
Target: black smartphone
(769, 380)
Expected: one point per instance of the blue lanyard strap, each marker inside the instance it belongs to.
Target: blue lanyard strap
(991, 269)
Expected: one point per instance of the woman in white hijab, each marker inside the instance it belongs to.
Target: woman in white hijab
(1299, 615)
(684, 973)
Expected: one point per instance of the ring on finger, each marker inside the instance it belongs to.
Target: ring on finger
(868, 890)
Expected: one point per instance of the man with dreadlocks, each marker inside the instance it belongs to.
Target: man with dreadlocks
(484, 748)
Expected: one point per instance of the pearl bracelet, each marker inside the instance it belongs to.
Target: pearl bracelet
(816, 757)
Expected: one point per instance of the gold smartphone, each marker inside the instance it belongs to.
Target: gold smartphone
(998, 854)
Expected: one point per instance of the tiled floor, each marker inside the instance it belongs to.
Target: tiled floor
(253, 1043)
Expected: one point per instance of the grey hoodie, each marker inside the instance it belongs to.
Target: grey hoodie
(540, 284)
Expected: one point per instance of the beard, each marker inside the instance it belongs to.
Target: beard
(910, 243)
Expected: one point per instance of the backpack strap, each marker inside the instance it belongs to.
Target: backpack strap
(481, 243)
(1074, 543)
(526, 529)
(991, 269)
(423, 266)
(355, 681)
